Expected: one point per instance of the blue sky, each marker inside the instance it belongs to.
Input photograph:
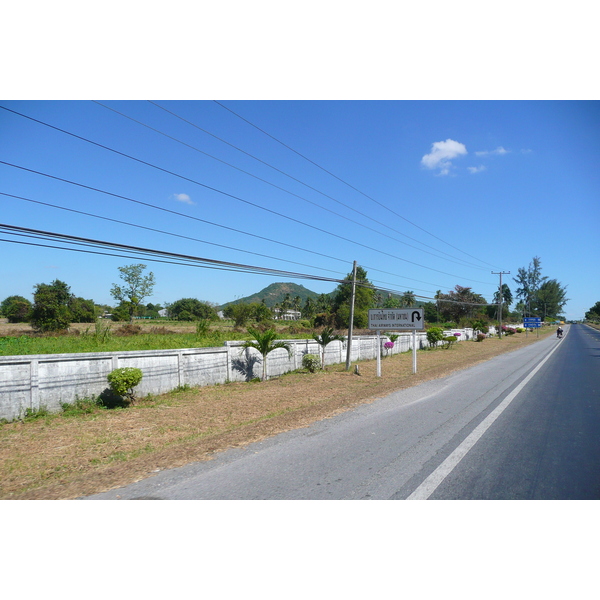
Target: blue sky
(424, 195)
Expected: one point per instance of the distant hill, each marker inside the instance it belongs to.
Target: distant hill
(273, 294)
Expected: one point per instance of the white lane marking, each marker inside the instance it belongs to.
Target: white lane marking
(424, 491)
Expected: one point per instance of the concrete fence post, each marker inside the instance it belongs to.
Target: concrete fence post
(34, 388)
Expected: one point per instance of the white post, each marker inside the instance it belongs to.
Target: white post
(378, 354)
(414, 345)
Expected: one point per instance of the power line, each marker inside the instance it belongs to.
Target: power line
(218, 191)
(233, 196)
(77, 240)
(294, 179)
(345, 182)
(166, 210)
(170, 233)
(120, 222)
(160, 255)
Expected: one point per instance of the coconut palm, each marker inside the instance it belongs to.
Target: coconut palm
(265, 343)
(327, 336)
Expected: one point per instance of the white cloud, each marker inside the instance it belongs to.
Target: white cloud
(499, 150)
(441, 155)
(183, 198)
(476, 169)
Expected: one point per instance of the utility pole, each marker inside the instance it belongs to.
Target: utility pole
(349, 345)
(500, 300)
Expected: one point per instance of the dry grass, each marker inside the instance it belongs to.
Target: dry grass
(60, 456)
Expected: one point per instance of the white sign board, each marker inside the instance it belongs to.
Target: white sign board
(399, 319)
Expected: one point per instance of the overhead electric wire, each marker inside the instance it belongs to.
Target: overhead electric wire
(164, 256)
(167, 210)
(462, 263)
(346, 183)
(88, 214)
(235, 197)
(65, 238)
(179, 235)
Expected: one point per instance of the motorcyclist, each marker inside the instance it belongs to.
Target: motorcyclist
(559, 332)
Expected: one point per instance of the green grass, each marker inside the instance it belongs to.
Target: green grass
(24, 345)
(72, 344)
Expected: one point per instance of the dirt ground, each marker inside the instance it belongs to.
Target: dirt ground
(67, 456)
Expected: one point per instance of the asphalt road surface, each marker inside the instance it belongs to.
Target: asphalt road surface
(525, 425)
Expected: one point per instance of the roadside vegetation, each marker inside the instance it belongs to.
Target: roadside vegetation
(94, 445)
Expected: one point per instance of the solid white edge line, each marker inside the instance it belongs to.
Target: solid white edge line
(429, 485)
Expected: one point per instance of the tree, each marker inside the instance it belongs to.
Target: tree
(550, 299)
(15, 309)
(82, 311)
(50, 310)
(309, 308)
(364, 299)
(265, 343)
(136, 288)
(459, 303)
(191, 309)
(408, 299)
(507, 296)
(152, 310)
(240, 313)
(529, 280)
(543, 297)
(327, 336)
(391, 302)
(594, 313)
(430, 313)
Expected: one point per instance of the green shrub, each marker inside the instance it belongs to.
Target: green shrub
(122, 381)
(450, 340)
(15, 309)
(311, 362)
(435, 335)
(202, 327)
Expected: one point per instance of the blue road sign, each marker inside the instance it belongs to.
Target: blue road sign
(532, 321)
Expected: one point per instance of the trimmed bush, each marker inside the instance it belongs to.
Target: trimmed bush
(311, 362)
(122, 381)
(480, 337)
(435, 335)
(450, 340)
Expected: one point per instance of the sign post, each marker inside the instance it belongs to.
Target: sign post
(533, 322)
(397, 319)
(378, 353)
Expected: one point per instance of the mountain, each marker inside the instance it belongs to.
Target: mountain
(274, 294)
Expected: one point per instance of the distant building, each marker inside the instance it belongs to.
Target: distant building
(288, 315)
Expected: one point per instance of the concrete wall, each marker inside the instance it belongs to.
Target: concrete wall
(49, 380)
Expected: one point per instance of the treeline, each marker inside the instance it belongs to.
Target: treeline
(593, 314)
(55, 307)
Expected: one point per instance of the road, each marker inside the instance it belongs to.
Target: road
(525, 425)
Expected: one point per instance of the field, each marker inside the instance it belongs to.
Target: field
(19, 338)
(88, 449)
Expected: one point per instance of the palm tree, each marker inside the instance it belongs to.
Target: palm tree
(265, 343)
(408, 299)
(327, 336)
